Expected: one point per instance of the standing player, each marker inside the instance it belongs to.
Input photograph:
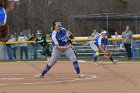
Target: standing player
(100, 43)
(61, 44)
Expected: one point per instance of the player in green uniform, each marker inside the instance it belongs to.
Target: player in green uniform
(40, 39)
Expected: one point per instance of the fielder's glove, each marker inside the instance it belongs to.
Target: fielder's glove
(107, 54)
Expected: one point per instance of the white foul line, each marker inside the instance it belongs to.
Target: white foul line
(90, 77)
(12, 79)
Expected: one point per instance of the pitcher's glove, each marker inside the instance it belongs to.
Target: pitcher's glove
(4, 30)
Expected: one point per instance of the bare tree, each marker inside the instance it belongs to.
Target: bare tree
(39, 14)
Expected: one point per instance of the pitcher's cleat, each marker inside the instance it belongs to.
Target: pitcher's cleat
(81, 75)
(115, 61)
(39, 75)
(96, 63)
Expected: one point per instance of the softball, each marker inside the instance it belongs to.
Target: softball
(97, 54)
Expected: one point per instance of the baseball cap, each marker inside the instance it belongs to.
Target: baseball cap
(21, 33)
(39, 32)
(58, 24)
(104, 32)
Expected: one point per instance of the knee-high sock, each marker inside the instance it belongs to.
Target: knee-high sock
(76, 66)
(47, 68)
(95, 59)
(111, 58)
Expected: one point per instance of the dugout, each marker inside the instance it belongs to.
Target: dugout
(83, 25)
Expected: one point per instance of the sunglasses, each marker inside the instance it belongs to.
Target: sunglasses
(59, 26)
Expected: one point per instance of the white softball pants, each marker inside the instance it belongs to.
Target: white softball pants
(56, 54)
(93, 46)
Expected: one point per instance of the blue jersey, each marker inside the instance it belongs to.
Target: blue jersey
(60, 38)
(3, 16)
(100, 41)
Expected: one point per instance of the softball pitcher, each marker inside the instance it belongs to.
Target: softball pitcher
(61, 44)
(100, 43)
(5, 6)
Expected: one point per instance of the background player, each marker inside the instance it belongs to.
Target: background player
(41, 39)
(61, 44)
(100, 43)
(5, 6)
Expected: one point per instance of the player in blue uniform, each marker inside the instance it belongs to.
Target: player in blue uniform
(61, 44)
(100, 43)
(3, 16)
(5, 6)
